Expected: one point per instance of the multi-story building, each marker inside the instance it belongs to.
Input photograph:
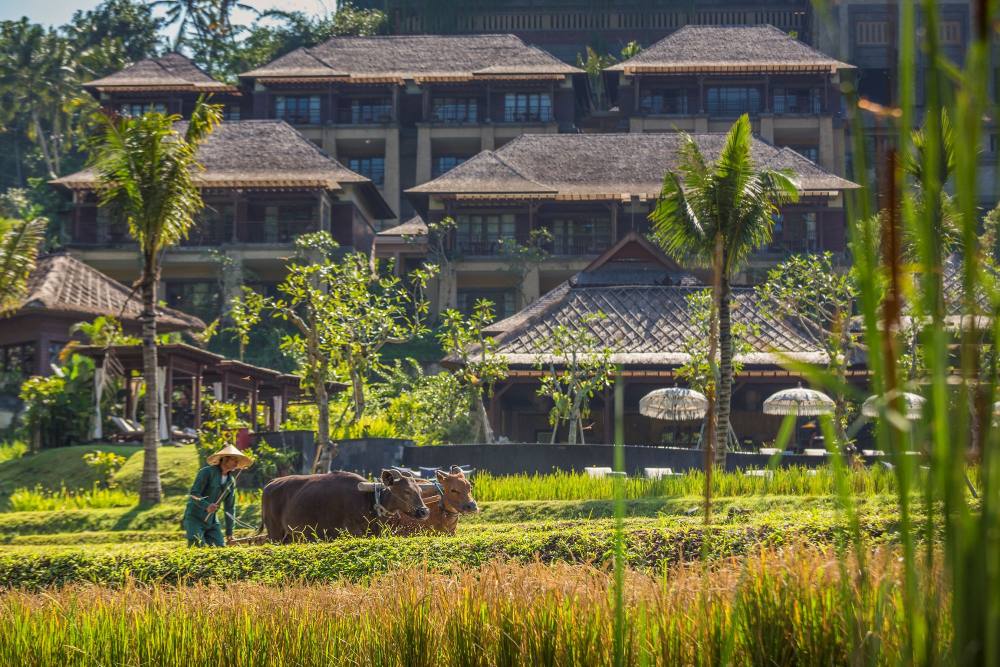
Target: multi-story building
(567, 28)
(588, 191)
(264, 184)
(404, 109)
(700, 78)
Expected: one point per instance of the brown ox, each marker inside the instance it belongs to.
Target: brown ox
(325, 506)
(455, 500)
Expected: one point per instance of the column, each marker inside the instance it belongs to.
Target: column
(767, 128)
(391, 187)
(196, 395)
(827, 154)
(531, 287)
(488, 138)
(424, 156)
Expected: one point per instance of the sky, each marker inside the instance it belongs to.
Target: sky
(58, 12)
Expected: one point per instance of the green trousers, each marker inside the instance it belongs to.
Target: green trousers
(201, 534)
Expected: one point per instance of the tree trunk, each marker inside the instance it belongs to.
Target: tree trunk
(149, 488)
(483, 418)
(358, 388)
(724, 396)
(43, 145)
(324, 450)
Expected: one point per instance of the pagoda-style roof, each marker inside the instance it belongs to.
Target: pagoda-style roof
(642, 296)
(705, 49)
(420, 58)
(265, 154)
(603, 167)
(63, 285)
(170, 73)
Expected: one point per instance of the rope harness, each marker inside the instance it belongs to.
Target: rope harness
(381, 492)
(448, 512)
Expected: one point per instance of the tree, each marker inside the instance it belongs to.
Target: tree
(19, 244)
(717, 214)
(809, 292)
(576, 367)
(481, 367)
(345, 310)
(146, 169)
(524, 258)
(698, 371)
(244, 313)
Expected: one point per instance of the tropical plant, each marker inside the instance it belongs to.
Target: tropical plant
(717, 214)
(523, 259)
(19, 244)
(575, 367)
(698, 370)
(105, 464)
(147, 169)
(244, 312)
(58, 407)
(480, 367)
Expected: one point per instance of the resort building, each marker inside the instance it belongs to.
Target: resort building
(700, 78)
(404, 109)
(264, 185)
(640, 298)
(588, 191)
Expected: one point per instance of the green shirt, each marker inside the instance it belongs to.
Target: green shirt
(206, 490)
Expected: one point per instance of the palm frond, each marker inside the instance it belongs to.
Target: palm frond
(18, 251)
(676, 225)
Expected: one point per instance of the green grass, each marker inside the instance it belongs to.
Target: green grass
(41, 500)
(53, 469)
(178, 467)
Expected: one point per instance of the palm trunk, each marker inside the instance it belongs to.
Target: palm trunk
(483, 418)
(724, 396)
(149, 488)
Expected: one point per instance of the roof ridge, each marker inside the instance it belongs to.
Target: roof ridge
(514, 169)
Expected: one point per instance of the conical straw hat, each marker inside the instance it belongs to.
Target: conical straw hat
(229, 450)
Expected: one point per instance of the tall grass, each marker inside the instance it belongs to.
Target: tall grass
(781, 481)
(39, 499)
(779, 608)
(13, 449)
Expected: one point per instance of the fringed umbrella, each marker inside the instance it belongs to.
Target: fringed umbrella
(913, 404)
(799, 401)
(674, 404)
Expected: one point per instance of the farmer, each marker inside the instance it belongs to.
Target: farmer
(215, 485)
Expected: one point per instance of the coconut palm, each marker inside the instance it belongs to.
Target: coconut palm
(717, 214)
(146, 168)
(19, 243)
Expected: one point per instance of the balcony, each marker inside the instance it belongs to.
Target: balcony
(273, 232)
(375, 114)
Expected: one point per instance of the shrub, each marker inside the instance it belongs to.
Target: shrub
(106, 464)
(58, 408)
(14, 449)
(40, 500)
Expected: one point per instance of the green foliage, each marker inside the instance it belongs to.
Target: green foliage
(106, 464)
(103, 331)
(19, 244)
(178, 466)
(39, 499)
(219, 429)
(575, 368)
(697, 371)
(58, 408)
(244, 313)
(12, 450)
(431, 409)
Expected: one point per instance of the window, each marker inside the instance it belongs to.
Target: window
(479, 234)
(139, 108)
(580, 236)
(364, 111)
(455, 110)
(796, 100)
(871, 33)
(18, 358)
(231, 112)
(200, 298)
(527, 107)
(664, 102)
(445, 163)
(370, 167)
(502, 299)
(950, 33)
(810, 152)
(213, 225)
(297, 109)
(733, 101)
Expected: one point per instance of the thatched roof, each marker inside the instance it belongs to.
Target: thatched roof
(646, 319)
(703, 49)
(603, 166)
(395, 58)
(63, 285)
(415, 226)
(172, 72)
(267, 154)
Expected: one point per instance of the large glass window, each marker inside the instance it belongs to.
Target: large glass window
(580, 236)
(732, 101)
(527, 107)
(502, 299)
(796, 100)
(134, 109)
(297, 109)
(480, 234)
(201, 298)
(669, 101)
(445, 163)
(214, 225)
(18, 358)
(365, 111)
(455, 109)
(370, 167)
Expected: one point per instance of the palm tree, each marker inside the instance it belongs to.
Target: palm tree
(717, 214)
(146, 169)
(19, 243)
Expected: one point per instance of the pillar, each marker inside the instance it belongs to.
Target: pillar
(530, 287)
(391, 187)
(767, 128)
(827, 154)
(424, 155)
(488, 138)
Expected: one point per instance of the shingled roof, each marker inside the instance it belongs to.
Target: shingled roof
(603, 166)
(172, 72)
(62, 284)
(264, 154)
(698, 48)
(646, 318)
(422, 58)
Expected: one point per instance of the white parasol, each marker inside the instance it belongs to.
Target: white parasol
(674, 404)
